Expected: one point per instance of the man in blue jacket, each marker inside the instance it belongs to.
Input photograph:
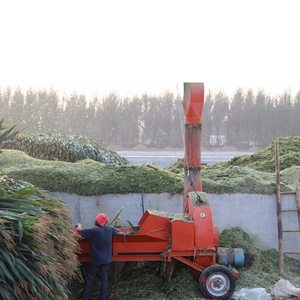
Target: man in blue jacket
(101, 254)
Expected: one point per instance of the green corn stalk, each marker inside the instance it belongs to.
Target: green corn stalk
(10, 133)
(30, 267)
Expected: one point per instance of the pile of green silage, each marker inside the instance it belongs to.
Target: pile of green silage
(253, 174)
(89, 177)
(261, 266)
(264, 160)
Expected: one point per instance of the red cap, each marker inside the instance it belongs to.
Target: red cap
(101, 219)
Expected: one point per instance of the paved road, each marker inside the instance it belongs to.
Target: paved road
(166, 158)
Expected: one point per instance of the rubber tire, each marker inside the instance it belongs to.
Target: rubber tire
(221, 274)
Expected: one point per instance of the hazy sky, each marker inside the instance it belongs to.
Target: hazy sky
(134, 46)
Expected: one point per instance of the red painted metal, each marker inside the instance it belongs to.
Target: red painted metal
(182, 231)
(193, 102)
(152, 237)
(159, 238)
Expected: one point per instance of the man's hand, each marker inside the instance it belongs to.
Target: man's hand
(79, 227)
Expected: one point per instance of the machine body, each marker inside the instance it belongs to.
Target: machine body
(189, 237)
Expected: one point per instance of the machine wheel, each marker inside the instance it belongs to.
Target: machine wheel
(217, 282)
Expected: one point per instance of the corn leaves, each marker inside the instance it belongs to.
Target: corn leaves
(37, 245)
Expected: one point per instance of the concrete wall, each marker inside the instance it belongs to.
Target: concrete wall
(85, 208)
(255, 214)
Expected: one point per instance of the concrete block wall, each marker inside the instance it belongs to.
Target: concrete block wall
(256, 214)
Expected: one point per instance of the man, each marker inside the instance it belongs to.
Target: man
(101, 254)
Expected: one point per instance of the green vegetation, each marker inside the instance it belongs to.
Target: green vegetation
(245, 174)
(262, 267)
(88, 177)
(62, 147)
(253, 174)
(37, 245)
(8, 133)
(265, 160)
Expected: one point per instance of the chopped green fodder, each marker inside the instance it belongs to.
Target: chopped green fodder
(265, 160)
(261, 267)
(169, 215)
(88, 177)
(234, 179)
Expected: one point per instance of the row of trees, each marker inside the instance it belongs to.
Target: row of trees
(252, 119)
(157, 121)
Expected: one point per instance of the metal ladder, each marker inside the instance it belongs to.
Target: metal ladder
(281, 212)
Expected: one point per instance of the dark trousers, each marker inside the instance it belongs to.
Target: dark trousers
(89, 281)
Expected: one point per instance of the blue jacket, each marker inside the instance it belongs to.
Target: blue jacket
(101, 243)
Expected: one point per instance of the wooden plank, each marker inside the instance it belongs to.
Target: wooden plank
(296, 180)
(290, 210)
(288, 193)
(278, 201)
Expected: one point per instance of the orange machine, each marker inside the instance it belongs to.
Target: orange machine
(189, 237)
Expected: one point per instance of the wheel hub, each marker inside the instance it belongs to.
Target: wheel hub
(218, 284)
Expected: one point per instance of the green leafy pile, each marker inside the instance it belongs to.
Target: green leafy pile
(264, 160)
(37, 245)
(89, 177)
(262, 266)
(252, 174)
(235, 179)
(61, 147)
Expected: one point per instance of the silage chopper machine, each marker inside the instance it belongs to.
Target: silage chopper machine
(189, 237)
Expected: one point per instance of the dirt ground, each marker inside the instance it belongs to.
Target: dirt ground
(144, 280)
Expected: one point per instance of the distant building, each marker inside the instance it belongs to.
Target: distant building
(217, 140)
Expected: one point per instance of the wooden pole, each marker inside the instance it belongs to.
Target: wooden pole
(296, 180)
(278, 201)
